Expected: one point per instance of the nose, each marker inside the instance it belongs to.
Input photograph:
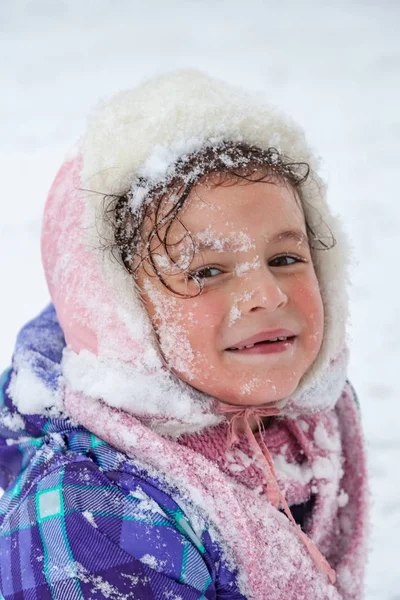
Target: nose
(263, 291)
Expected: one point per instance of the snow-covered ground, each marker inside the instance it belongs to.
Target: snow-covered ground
(335, 66)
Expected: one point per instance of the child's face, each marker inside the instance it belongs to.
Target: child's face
(258, 279)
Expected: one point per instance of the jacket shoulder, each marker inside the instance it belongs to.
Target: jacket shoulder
(81, 526)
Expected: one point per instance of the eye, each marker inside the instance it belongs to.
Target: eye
(285, 260)
(206, 273)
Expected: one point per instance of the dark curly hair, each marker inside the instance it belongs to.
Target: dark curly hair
(139, 232)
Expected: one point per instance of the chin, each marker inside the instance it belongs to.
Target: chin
(249, 391)
(263, 393)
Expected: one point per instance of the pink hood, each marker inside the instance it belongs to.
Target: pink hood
(108, 333)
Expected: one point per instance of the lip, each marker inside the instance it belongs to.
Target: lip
(262, 336)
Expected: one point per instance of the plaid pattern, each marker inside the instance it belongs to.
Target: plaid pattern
(78, 520)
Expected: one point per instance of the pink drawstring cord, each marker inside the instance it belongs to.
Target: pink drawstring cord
(274, 494)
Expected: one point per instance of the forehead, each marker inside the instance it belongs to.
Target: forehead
(259, 208)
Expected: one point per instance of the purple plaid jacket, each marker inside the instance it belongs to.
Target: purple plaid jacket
(78, 520)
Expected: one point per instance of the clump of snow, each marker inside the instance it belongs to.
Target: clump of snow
(101, 588)
(250, 386)
(304, 426)
(141, 391)
(235, 468)
(246, 460)
(329, 469)
(324, 441)
(185, 257)
(234, 315)
(159, 166)
(134, 579)
(323, 468)
(343, 498)
(89, 517)
(235, 312)
(21, 440)
(242, 268)
(162, 261)
(242, 242)
(288, 471)
(172, 596)
(234, 242)
(147, 504)
(13, 422)
(348, 581)
(153, 562)
(31, 396)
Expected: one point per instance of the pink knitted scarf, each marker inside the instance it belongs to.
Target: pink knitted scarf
(321, 456)
(305, 446)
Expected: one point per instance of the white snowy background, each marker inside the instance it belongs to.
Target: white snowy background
(335, 66)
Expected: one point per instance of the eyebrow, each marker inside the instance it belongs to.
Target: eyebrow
(291, 234)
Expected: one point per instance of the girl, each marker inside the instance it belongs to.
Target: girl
(178, 423)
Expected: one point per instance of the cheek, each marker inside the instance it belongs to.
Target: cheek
(187, 330)
(307, 298)
(173, 324)
(202, 323)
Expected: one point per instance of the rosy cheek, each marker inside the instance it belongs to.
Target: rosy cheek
(173, 326)
(308, 300)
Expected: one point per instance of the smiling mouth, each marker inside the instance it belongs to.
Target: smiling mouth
(279, 344)
(271, 341)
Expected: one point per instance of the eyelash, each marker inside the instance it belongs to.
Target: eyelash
(197, 274)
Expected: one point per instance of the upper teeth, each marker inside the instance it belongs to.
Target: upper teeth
(280, 339)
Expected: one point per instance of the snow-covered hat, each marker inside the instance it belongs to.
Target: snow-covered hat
(112, 349)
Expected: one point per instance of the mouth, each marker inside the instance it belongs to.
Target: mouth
(265, 343)
(267, 347)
